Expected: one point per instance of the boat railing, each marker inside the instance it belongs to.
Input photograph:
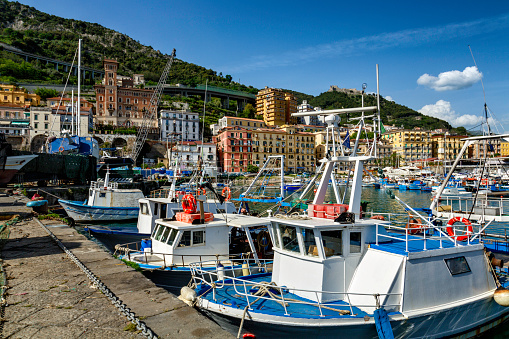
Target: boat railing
(99, 185)
(145, 256)
(467, 204)
(427, 231)
(254, 290)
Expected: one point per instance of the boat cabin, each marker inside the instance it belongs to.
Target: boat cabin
(109, 195)
(319, 254)
(184, 243)
(152, 209)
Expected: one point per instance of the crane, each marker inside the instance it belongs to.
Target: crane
(146, 123)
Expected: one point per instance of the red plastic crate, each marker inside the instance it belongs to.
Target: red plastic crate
(189, 218)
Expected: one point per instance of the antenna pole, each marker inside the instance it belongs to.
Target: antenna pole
(483, 92)
(78, 113)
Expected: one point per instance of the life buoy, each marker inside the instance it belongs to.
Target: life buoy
(414, 224)
(378, 217)
(61, 149)
(228, 193)
(189, 204)
(466, 222)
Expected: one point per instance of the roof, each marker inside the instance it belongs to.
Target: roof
(247, 119)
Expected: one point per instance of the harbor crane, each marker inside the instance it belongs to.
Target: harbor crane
(149, 117)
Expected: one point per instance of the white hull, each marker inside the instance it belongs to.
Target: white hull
(97, 213)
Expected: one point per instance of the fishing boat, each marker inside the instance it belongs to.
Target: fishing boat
(336, 274)
(217, 239)
(10, 164)
(106, 202)
(163, 204)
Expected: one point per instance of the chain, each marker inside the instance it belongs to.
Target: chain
(140, 325)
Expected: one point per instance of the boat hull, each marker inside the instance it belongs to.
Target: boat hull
(468, 320)
(81, 212)
(109, 238)
(12, 165)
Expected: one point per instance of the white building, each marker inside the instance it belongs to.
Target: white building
(189, 153)
(309, 120)
(52, 121)
(179, 125)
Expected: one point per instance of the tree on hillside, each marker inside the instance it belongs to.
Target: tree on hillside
(248, 112)
(45, 93)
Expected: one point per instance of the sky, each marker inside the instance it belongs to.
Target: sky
(422, 48)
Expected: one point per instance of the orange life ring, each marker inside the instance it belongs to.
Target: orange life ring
(189, 204)
(415, 225)
(450, 229)
(61, 149)
(378, 217)
(484, 182)
(228, 193)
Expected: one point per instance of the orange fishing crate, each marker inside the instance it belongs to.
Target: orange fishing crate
(189, 218)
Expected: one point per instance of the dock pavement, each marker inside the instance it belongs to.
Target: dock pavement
(49, 296)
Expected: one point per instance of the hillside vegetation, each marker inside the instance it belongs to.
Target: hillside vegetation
(33, 31)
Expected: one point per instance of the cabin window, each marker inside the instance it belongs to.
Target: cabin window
(186, 239)
(309, 242)
(165, 235)
(144, 208)
(276, 238)
(355, 242)
(198, 237)
(102, 195)
(172, 236)
(163, 211)
(289, 237)
(332, 242)
(457, 265)
(156, 208)
(159, 232)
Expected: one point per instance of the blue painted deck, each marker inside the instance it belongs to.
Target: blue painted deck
(227, 296)
(415, 244)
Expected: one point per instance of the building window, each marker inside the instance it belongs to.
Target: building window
(45, 126)
(46, 117)
(111, 98)
(36, 125)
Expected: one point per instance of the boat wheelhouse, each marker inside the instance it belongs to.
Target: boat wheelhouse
(175, 244)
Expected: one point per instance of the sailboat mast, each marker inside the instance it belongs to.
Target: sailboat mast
(78, 111)
(72, 112)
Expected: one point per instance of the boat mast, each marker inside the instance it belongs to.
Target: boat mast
(72, 113)
(78, 111)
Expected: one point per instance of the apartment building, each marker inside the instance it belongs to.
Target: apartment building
(447, 147)
(14, 120)
(234, 149)
(191, 154)
(12, 94)
(179, 125)
(276, 106)
(120, 104)
(52, 121)
(245, 123)
(410, 145)
(54, 102)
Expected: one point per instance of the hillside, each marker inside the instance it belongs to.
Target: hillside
(33, 31)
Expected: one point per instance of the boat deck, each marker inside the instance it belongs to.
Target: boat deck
(416, 243)
(296, 307)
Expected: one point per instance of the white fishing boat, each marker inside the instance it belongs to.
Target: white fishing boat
(336, 274)
(105, 202)
(175, 244)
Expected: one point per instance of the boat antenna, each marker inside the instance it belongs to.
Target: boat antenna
(483, 91)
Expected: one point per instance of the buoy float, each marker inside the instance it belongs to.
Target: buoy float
(378, 217)
(501, 296)
(187, 295)
(227, 193)
(220, 271)
(465, 221)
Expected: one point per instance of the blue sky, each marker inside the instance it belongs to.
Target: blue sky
(421, 47)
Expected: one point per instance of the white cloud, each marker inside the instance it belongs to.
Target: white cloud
(452, 80)
(389, 98)
(442, 110)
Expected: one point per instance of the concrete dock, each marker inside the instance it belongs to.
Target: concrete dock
(48, 295)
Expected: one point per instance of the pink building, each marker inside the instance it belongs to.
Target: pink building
(234, 149)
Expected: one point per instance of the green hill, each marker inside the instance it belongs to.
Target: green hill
(33, 31)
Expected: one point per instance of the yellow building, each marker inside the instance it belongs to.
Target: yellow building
(12, 94)
(297, 147)
(276, 106)
(410, 145)
(447, 147)
(504, 148)
(227, 121)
